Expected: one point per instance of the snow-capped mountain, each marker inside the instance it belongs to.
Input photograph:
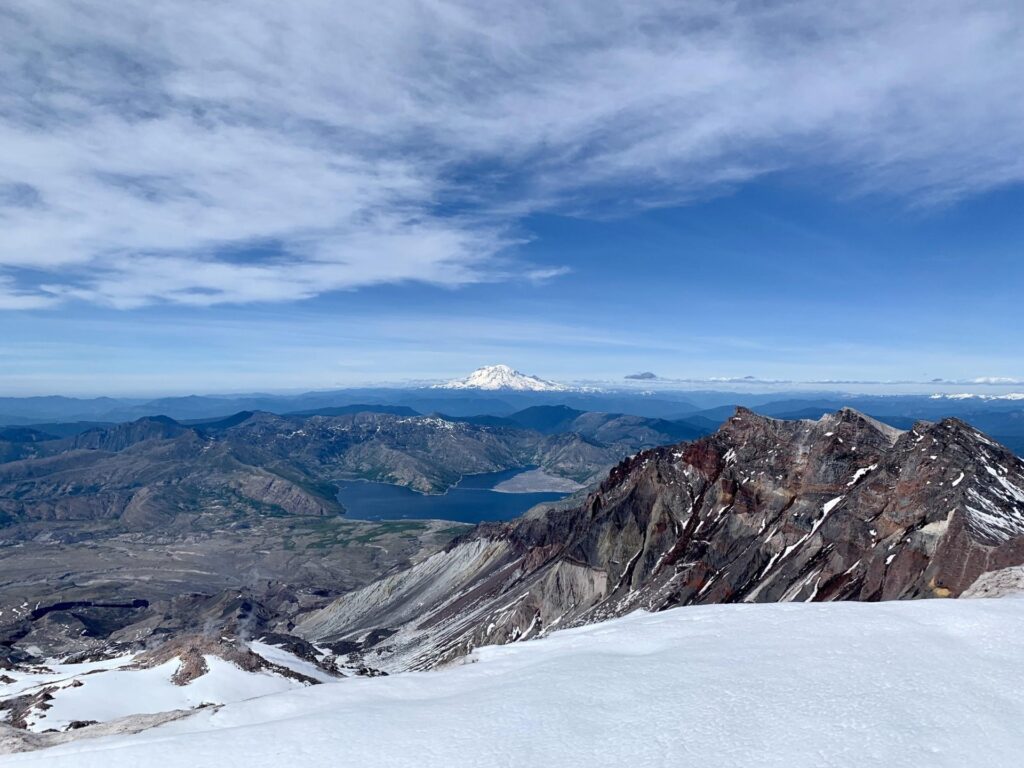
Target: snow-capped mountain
(503, 377)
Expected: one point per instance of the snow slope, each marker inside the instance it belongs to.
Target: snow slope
(119, 693)
(112, 689)
(936, 683)
(503, 377)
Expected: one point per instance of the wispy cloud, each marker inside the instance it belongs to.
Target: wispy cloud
(12, 297)
(211, 152)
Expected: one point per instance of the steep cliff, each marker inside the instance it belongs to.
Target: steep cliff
(764, 510)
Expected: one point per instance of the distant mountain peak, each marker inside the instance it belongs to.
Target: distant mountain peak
(972, 396)
(503, 377)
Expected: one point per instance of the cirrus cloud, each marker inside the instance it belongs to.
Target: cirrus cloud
(211, 152)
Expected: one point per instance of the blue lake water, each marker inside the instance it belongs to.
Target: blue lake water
(471, 501)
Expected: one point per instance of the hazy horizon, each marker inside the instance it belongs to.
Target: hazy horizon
(750, 386)
(224, 199)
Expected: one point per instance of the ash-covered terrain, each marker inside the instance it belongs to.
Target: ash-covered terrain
(120, 536)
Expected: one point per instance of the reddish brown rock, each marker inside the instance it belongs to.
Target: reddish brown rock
(843, 508)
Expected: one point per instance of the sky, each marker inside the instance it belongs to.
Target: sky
(223, 196)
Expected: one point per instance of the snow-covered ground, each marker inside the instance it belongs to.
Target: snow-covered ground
(928, 683)
(107, 690)
(122, 692)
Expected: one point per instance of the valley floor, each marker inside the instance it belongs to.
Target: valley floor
(935, 682)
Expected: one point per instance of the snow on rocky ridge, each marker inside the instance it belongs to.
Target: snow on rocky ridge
(185, 675)
(503, 377)
(933, 682)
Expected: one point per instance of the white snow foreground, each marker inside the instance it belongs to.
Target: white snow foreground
(104, 691)
(936, 683)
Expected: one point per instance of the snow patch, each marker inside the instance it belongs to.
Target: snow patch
(860, 473)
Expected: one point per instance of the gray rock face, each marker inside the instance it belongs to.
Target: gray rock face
(843, 508)
(14, 740)
(74, 587)
(1005, 582)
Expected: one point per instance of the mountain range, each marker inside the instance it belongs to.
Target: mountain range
(499, 391)
(763, 510)
(160, 554)
(129, 518)
(157, 467)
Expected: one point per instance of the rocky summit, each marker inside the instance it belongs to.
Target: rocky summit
(764, 510)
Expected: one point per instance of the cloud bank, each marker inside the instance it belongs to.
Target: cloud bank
(222, 152)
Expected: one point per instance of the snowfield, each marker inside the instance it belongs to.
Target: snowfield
(120, 693)
(112, 689)
(926, 683)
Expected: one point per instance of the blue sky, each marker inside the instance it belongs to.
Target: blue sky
(224, 198)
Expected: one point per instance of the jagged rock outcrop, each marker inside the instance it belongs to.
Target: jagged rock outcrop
(843, 508)
(191, 651)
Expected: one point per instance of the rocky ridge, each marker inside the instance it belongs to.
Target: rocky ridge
(764, 510)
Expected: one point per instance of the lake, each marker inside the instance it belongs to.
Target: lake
(472, 500)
